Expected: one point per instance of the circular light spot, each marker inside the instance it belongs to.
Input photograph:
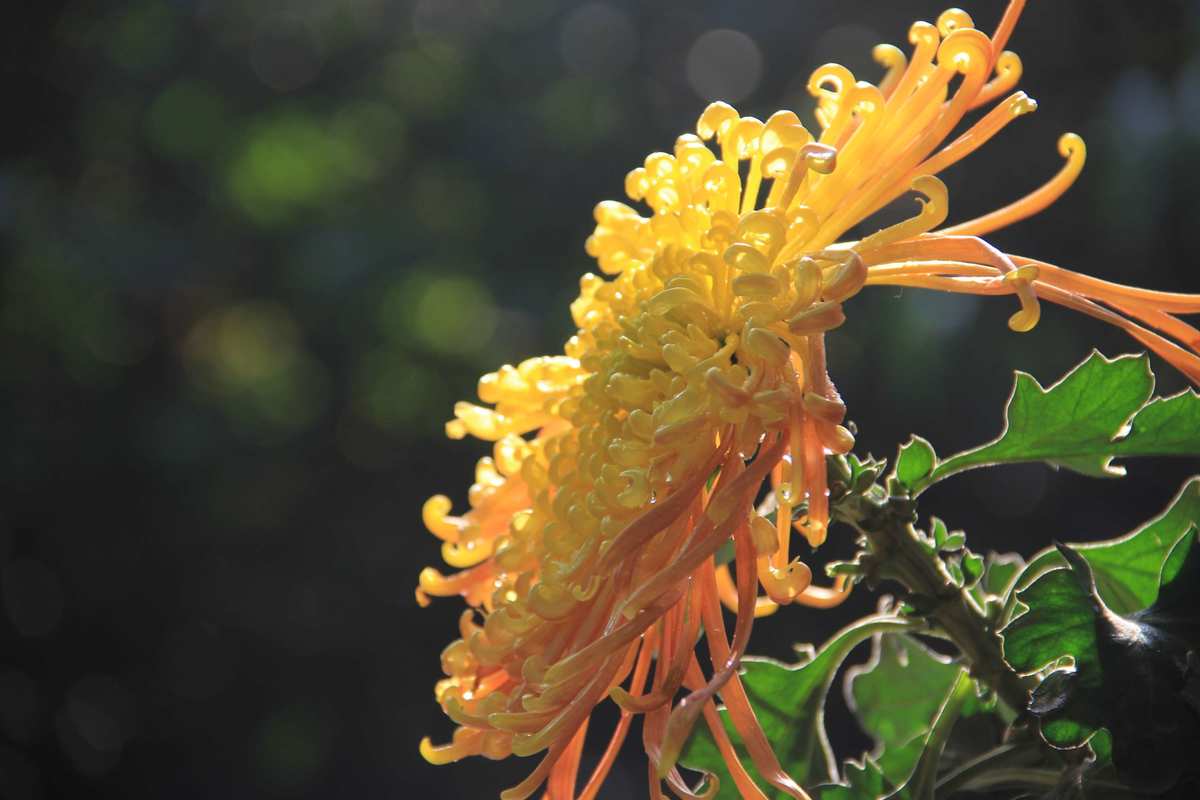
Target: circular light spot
(724, 65)
(598, 39)
(250, 359)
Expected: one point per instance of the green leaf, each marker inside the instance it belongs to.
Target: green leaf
(1067, 717)
(1177, 609)
(789, 700)
(1101, 745)
(921, 784)
(864, 781)
(1178, 556)
(895, 696)
(1127, 568)
(1136, 675)
(1060, 621)
(972, 567)
(999, 572)
(863, 472)
(1167, 426)
(954, 567)
(937, 529)
(914, 462)
(1080, 422)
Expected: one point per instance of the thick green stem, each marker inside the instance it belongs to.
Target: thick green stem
(896, 551)
(957, 613)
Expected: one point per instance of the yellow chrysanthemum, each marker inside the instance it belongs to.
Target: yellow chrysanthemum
(698, 372)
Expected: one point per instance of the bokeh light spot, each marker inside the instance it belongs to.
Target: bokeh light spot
(292, 162)
(725, 65)
(455, 315)
(444, 314)
(249, 359)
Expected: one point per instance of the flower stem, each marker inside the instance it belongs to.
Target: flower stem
(894, 550)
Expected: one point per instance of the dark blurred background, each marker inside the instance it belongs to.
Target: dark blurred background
(253, 251)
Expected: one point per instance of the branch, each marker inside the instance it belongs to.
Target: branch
(894, 550)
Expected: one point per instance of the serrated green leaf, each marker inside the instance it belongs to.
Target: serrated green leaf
(923, 781)
(788, 700)
(1067, 716)
(1176, 611)
(1150, 661)
(1067, 731)
(864, 471)
(915, 461)
(1101, 745)
(953, 542)
(847, 568)
(1060, 621)
(999, 572)
(1131, 674)
(1166, 426)
(864, 781)
(972, 567)
(1079, 422)
(896, 696)
(1127, 568)
(1178, 556)
(938, 531)
(955, 569)
(1073, 422)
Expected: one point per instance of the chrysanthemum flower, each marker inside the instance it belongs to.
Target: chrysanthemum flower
(697, 374)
